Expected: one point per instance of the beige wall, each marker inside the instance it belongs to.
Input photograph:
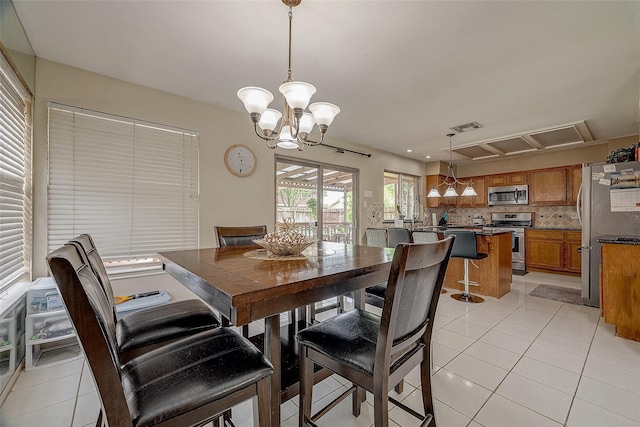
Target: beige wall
(224, 198)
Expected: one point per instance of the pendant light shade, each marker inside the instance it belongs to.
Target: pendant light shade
(451, 191)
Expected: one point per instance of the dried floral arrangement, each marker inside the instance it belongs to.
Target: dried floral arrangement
(285, 241)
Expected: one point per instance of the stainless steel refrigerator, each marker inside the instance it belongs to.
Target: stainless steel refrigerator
(597, 219)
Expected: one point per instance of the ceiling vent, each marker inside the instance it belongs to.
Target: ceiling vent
(528, 142)
(466, 127)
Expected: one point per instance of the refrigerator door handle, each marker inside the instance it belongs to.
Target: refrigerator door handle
(579, 204)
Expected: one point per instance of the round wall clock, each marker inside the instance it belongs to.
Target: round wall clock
(240, 160)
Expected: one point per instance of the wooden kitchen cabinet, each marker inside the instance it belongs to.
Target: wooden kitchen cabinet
(553, 250)
(516, 178)
(620, 288)
(478, 184)
(432, 202)
(574, 179)
(548, 187)
(544, 249)
(573, 259)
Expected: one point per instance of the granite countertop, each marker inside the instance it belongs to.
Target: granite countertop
(620, 240)
(479, 231)
(556, 228)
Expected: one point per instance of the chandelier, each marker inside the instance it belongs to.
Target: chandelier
(296, 123)
(451, 191)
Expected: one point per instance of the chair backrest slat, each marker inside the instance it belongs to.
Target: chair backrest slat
(97, 265)
(90, 314)
(239, 236)
(465, 245)
(413, 289)
(424, 236)
(376, 237)
(398, 235)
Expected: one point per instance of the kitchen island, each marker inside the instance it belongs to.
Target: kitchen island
(493, 273)
(620, 284)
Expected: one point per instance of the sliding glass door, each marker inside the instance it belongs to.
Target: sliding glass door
(319, 198)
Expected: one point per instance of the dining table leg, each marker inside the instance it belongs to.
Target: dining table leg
(272, 352)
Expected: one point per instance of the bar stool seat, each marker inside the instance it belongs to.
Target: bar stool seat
(465, 246)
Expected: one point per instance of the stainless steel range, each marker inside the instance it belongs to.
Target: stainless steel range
(516, 223)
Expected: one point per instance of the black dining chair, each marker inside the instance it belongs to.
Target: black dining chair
(146, 329)
(190, 381)
(376, 352)
(374, 295)
(239, 236)
(465, 247)
(397, 235)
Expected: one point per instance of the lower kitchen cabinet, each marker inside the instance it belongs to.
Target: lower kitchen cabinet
(620, 288)
(553, 250)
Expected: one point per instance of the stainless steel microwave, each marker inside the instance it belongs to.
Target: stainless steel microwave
(511, 195)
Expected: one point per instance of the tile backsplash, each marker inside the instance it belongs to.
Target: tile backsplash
(543, 216)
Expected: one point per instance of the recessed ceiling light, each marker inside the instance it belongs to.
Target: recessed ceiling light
(428, 157)
(409, 150)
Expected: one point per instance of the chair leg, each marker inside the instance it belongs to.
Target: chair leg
(380, 407)
(306, 387)
(399, 387)
(262, 414)
(425, 382)
(357, 398)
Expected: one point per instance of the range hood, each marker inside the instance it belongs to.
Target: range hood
(527, 142)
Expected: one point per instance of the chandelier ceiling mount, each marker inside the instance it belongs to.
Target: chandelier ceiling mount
(296, 124)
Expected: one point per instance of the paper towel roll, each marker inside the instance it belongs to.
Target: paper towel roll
(434, 219)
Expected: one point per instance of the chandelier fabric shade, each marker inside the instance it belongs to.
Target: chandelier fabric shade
(295, 124)
(451, 191)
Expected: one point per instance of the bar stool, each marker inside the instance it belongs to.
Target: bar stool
(464, 246)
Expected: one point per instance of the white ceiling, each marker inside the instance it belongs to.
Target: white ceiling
(402, 72)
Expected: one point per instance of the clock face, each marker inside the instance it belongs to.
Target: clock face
(240, 160)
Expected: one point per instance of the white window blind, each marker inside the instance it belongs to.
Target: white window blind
(15, 177)
(132, 185)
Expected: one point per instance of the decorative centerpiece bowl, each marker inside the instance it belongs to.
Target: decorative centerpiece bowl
(283, 248)
(285, 241)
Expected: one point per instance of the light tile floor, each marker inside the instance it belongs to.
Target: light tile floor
(516, 361)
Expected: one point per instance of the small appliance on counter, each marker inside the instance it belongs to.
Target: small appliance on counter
(478, 220)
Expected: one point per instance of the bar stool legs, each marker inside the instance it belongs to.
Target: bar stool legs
(466, 295)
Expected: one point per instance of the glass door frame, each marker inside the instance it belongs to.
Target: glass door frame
(321, 166)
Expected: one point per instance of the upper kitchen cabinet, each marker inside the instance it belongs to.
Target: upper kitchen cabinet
(516, 178)
(574, 180)
(548, 187)
(478, 184)
(555, 186)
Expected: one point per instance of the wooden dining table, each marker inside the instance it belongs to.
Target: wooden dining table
(246, 285)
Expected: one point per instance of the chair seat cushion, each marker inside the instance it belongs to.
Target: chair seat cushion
(190, 373)
(164, 323)
(349, 338)
(378, 290)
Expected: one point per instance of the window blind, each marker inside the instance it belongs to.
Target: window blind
(132, 185)
(15, 177)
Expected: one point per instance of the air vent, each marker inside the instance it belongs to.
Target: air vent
(527, 142)
(466, 127)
